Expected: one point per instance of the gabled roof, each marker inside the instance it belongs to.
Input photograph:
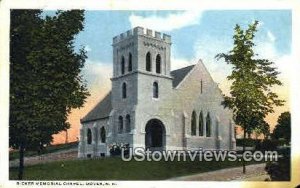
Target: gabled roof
(180, 74)
(104, 107)
(100, 111)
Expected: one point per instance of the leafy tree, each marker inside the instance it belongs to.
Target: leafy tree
(262, 128)
(283, 127)
(45, 80)
(252, 78)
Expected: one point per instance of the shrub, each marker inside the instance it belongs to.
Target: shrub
(249, 142)
(116, 149)
(282, 142)
(266, 145)
(280, 170)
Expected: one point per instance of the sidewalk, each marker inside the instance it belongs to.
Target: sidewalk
(254, 172)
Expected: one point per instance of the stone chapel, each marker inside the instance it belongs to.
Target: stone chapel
(151, 106)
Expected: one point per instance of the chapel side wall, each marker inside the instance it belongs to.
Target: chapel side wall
(190, 99)
(96, 148)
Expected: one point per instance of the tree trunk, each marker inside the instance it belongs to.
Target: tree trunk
(243, 161)
(249, 135)
(67, 140)
(21, 161)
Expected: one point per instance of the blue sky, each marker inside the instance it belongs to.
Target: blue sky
(101, 26)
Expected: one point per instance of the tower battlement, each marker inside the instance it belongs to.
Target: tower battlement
(142, 31)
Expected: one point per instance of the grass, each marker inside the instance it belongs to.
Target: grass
(114, 168)
(50, 149)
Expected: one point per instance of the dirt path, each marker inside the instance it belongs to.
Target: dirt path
(59, 155)
(253, 173)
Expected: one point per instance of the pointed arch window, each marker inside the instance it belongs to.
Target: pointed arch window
(122, 65)
(89, 136)
(193, 124)
(158, 64)
(124, 90)
(201, 124)
(155, 90)
(201, 86)
(127, 125)
(148, 61)
(120, 127)
(102, 135)
(129, 62)
(208, 125)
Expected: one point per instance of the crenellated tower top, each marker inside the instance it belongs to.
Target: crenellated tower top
(144, 32)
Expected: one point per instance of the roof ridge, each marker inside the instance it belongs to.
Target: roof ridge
(184, 67)
(180, 74)
(100, 110)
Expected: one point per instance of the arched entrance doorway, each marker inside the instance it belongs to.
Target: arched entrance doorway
(155, 138)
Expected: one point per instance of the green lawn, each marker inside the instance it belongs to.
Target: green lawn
(115, 169)
(49, 149)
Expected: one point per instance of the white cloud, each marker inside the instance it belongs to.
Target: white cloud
(98, 76)
(260, 24)
(285, 67)
(266, 49)
(177, 63)
(206, 48)
(87, 48)
(271, 36)
(167, 23)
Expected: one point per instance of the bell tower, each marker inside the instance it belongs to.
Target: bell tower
(132, 48)
(141, 82)
(141, 57)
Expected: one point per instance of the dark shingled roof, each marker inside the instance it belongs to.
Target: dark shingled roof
(100, 111)
(103, 108)
(179, 74)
